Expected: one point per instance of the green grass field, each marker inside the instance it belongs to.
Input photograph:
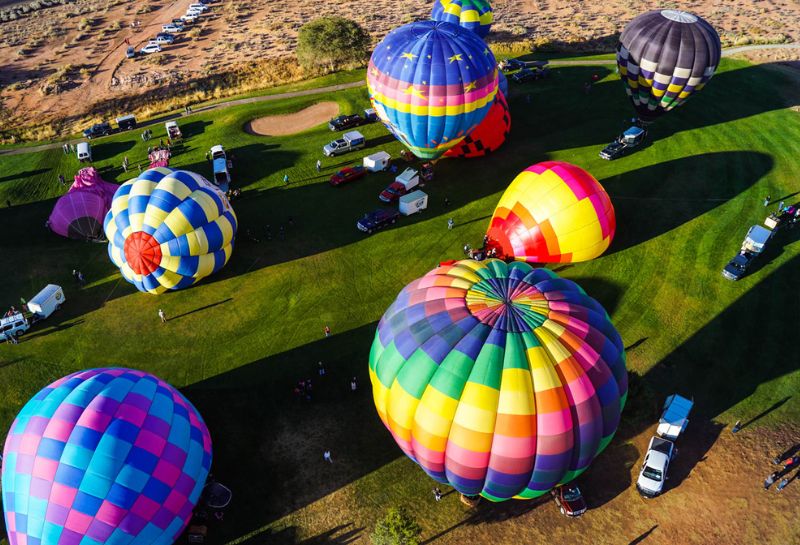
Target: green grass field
(237, 342)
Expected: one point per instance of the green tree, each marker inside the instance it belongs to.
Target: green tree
(332, 43)
(396, 528)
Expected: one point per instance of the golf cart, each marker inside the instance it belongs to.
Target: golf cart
(786, 217)
(625, 142)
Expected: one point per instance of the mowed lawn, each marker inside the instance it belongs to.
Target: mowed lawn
(239, 341)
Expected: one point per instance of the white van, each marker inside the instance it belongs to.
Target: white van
(84, 152)
(47, 301)
(13, 326)
(414, 202)
(377, 161)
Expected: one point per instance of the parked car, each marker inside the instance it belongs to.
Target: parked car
(150, 48)
(405, 182)
(196, 13)
(172, 28)
(178, 22)
(569, 500)
(126, 122)
(508, 65)
(13, 326)
(345, 122)
(377, 219)
(530, 74)
(753, 245)
(163, 38)
(130, 52)
(189, 18)
(653, 475)
(199, 6)
(348, 174)
(624, 143)
(98, 129)
(349, 142)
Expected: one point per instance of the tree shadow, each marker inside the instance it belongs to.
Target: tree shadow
(640, 195)
(21, 175)
(694, 444)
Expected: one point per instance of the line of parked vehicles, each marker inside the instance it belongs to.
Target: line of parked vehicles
(169, 31)
(16, 323)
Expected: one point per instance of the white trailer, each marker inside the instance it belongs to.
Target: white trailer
(173, 131)
(409, 178)
(377, 161)
(675, 416)
(47, 301)
(414, 202)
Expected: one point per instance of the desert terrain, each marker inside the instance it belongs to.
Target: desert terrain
(65, 60)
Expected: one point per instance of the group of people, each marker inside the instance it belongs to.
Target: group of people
(147, 134)
(68, 148)
(791, 462)
(10, 312)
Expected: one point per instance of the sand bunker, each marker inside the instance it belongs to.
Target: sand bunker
(281, 125)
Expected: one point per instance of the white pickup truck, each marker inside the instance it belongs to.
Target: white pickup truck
(653, 475)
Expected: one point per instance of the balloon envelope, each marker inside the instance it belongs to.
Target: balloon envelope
(489, 135)
(502, 83)
(498, 379)
(104, 456)
(168, 229)
(664, 57)
(553, 212)
(475, 15)
(80, 213)
(431, 83)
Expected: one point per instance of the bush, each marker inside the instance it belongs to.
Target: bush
(332, 43)
(396, 528)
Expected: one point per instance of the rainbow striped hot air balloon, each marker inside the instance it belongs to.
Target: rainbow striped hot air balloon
(104, 456)
(431, 83)
(553, 212)
(475, 15)
(498, 379)
(168, 229)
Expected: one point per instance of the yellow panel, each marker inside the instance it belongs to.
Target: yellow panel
(402, 406)
(205, 265)
(435, 412)
(169, 262)
(136, 221)
(169, 279)
(178, 223)
(154, 216)
(516, 393)
(175, 187)
(207, 203)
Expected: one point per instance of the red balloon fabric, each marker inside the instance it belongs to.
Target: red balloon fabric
(489, 135)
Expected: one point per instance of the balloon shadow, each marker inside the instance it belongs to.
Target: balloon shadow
(689, 187)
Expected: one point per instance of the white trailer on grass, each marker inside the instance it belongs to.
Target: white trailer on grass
(47, 301)
(173, 131)
(377, 161)
(414, 202)
(675, 417)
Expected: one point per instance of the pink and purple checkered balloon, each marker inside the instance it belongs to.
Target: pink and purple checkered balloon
(104, 456)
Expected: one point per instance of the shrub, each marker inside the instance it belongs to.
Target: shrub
(396, 528)
(332, 43)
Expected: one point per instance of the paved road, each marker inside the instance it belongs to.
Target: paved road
(331, 88)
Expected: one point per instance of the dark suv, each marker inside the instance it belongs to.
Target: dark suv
(345, 122)
(100, 129)
(377, 219)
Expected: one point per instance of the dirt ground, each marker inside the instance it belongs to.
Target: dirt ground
(282, 125)
(715, 495)
(67, 58)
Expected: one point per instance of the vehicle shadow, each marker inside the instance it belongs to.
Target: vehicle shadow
(639, 195)
(105, 150)
(694, 444)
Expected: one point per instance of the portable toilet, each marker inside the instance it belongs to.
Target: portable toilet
(377, 161)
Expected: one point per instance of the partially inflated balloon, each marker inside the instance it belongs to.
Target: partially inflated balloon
(664, 57)
(104, 456)
(168, 229)
(502, 83)
(475, 15)
(431, 83)
(498, 379)
(489, 135)
(80, 213)
(553, 212)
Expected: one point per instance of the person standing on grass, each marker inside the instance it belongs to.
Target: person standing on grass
(321, 369)
(327, 332)
(353, 385)
(139, 166)
(437, 494)
(62, 180)
(162, 316)
(319, 165)
(766, 200)
(450, 224)
(81, 279)
(327, 456)
(770, 480)
(285, 179)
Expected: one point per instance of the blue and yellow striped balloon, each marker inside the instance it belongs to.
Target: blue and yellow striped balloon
(431, 83)
(168, 229)
(476, 15)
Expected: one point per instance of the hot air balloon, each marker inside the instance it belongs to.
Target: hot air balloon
(489, 135)
(498, 379)
(664, 57)
(431, 83)
(104, 456)
(79, 214)
(475, 15)
(168, 229)
(502, 83)
(553, 212)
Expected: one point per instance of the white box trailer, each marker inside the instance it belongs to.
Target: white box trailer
(84, 152)
(408, 178)
(47, 301)
(413, 202)
(675, 416)
(377, 161)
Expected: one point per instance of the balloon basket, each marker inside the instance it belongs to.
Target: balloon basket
(470, 501)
